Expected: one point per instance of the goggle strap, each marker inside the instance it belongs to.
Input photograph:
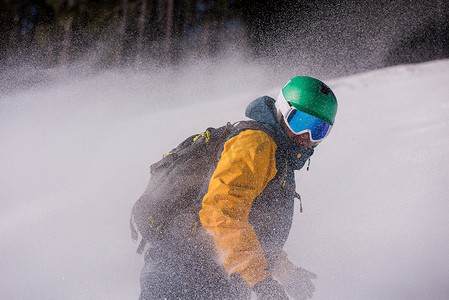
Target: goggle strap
(282, 104)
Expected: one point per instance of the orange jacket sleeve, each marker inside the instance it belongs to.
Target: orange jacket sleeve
(246, 166)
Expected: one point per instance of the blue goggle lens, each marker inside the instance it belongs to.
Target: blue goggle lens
(300, 121)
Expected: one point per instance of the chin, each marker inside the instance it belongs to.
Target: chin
(304, 145)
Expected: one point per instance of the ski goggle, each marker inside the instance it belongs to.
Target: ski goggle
(300, 122)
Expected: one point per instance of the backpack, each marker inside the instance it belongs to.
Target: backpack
(179, 181)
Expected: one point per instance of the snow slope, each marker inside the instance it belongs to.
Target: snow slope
(75, 155)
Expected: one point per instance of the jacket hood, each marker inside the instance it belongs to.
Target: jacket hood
(263, 110)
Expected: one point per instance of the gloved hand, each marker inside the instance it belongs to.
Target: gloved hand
(269, 289)
(296, 281)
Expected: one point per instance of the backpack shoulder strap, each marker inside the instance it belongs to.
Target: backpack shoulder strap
(250, 124)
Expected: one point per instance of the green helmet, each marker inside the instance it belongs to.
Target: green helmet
(311, 96)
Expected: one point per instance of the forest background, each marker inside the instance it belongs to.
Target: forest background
(330, 38)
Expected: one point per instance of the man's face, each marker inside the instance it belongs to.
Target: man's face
(302, 140)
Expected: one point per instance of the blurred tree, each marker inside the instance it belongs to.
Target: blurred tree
(64, 14)
(122, 31)
(142, 24)
(168, 30)
(9, 30)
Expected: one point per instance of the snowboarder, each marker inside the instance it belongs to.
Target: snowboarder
(232, 243)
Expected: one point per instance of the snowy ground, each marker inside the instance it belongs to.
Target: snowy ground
(75, 154)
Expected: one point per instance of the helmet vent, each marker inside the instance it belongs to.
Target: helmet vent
(324, 89)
